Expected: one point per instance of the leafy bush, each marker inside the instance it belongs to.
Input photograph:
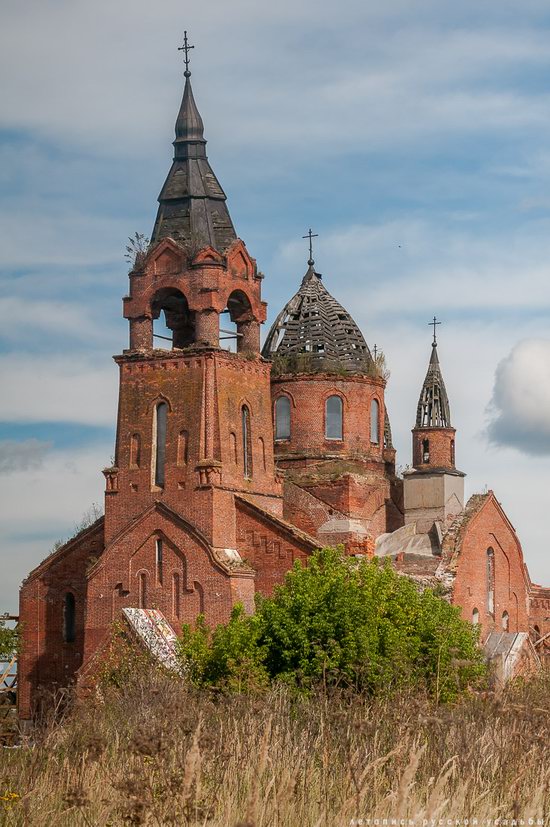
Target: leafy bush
(340, 621)
(9, 641)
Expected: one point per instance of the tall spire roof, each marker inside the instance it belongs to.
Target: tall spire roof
(314, 323)
(433, 406)
(192, 204)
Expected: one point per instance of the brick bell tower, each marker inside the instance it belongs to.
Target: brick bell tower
(434, 489)
(194, 420)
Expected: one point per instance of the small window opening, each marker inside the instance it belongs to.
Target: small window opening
(246, 442)
(374, 421)
(452, 452)
(142, 596)
(158, 557)
(233, 443)
(475, 617)
(69, 618)
(183, 441)
(159, 443)
(505, 621)
(425, 450)
(176, 595)
(262, 452)
(333, 418)
(282, 418)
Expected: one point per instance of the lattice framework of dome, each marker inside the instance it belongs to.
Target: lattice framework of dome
(314, 323)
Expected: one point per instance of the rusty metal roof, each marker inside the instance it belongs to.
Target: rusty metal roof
(314, 323)
(192, 208)
(433, 405)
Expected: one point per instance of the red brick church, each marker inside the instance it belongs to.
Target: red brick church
(231, 465)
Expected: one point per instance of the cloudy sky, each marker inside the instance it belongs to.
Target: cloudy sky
(414, 138)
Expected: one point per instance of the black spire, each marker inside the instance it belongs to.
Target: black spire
(433, 406)
(192, 208)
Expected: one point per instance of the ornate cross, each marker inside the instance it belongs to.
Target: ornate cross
(186, 48)
(434, 325)
(311, 235)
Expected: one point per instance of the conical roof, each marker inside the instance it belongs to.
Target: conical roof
(433, 405)
(314, 323)
(192, 208)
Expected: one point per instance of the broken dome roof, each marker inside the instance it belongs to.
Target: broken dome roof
(314, 323)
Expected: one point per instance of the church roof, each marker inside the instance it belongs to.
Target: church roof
(433, 405)
(192, 204)
(314, 323)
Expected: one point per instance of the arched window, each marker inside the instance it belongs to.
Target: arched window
(491, 581)
(183, 440)
(475, 617)
(142, 585)
(506, 621)
(374, 421)
(158, 557)
(333, 418)
(135, 451)
(425, 450)
(159, 443)
(282, 418)
(69, 618)
(246, 441)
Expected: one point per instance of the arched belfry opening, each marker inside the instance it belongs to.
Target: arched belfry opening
(170, 306)
(238, 327)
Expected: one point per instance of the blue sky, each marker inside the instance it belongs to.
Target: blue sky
(414, 138)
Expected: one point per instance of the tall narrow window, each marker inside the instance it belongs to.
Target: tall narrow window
(374, 421)
(261, 445)
(491, 581)
(246, 441)
(135, 451)
(452, 452)
(475, 617)
(69, 618)
(159, 442)
(333, 418)
(282, 418)
(142, 585)
(158, 555)
(176, 595)
(233, 443)
(425, 450)
(183, 439)
(506, 621)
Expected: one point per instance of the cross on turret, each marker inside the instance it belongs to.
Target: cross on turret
(186, 48)
(311, 235)
(434, 324)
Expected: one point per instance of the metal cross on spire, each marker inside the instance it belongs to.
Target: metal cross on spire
(311, 235)
(186, 48)
(434, 324)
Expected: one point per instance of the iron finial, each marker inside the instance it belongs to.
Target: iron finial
(375, 351)
(311, 235)
(186, 48)
(434, 324)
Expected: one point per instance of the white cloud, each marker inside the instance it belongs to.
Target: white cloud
(520, 408)
(24, 319)
(72, 388)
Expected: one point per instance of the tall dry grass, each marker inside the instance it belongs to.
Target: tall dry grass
(156, 752)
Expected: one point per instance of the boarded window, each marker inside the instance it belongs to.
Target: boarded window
(374, 421)
(333, 418)
(246, 441)
(159, 443)
(282, 418)
(135, 451)
(69, 618)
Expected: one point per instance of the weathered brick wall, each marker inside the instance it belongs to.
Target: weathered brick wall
(308, 395)
(46, 659)
(269, 549)
(441, 449)
(489, 528)
(539, 617)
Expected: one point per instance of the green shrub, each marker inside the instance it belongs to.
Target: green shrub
(9, 641)
(340, 621)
